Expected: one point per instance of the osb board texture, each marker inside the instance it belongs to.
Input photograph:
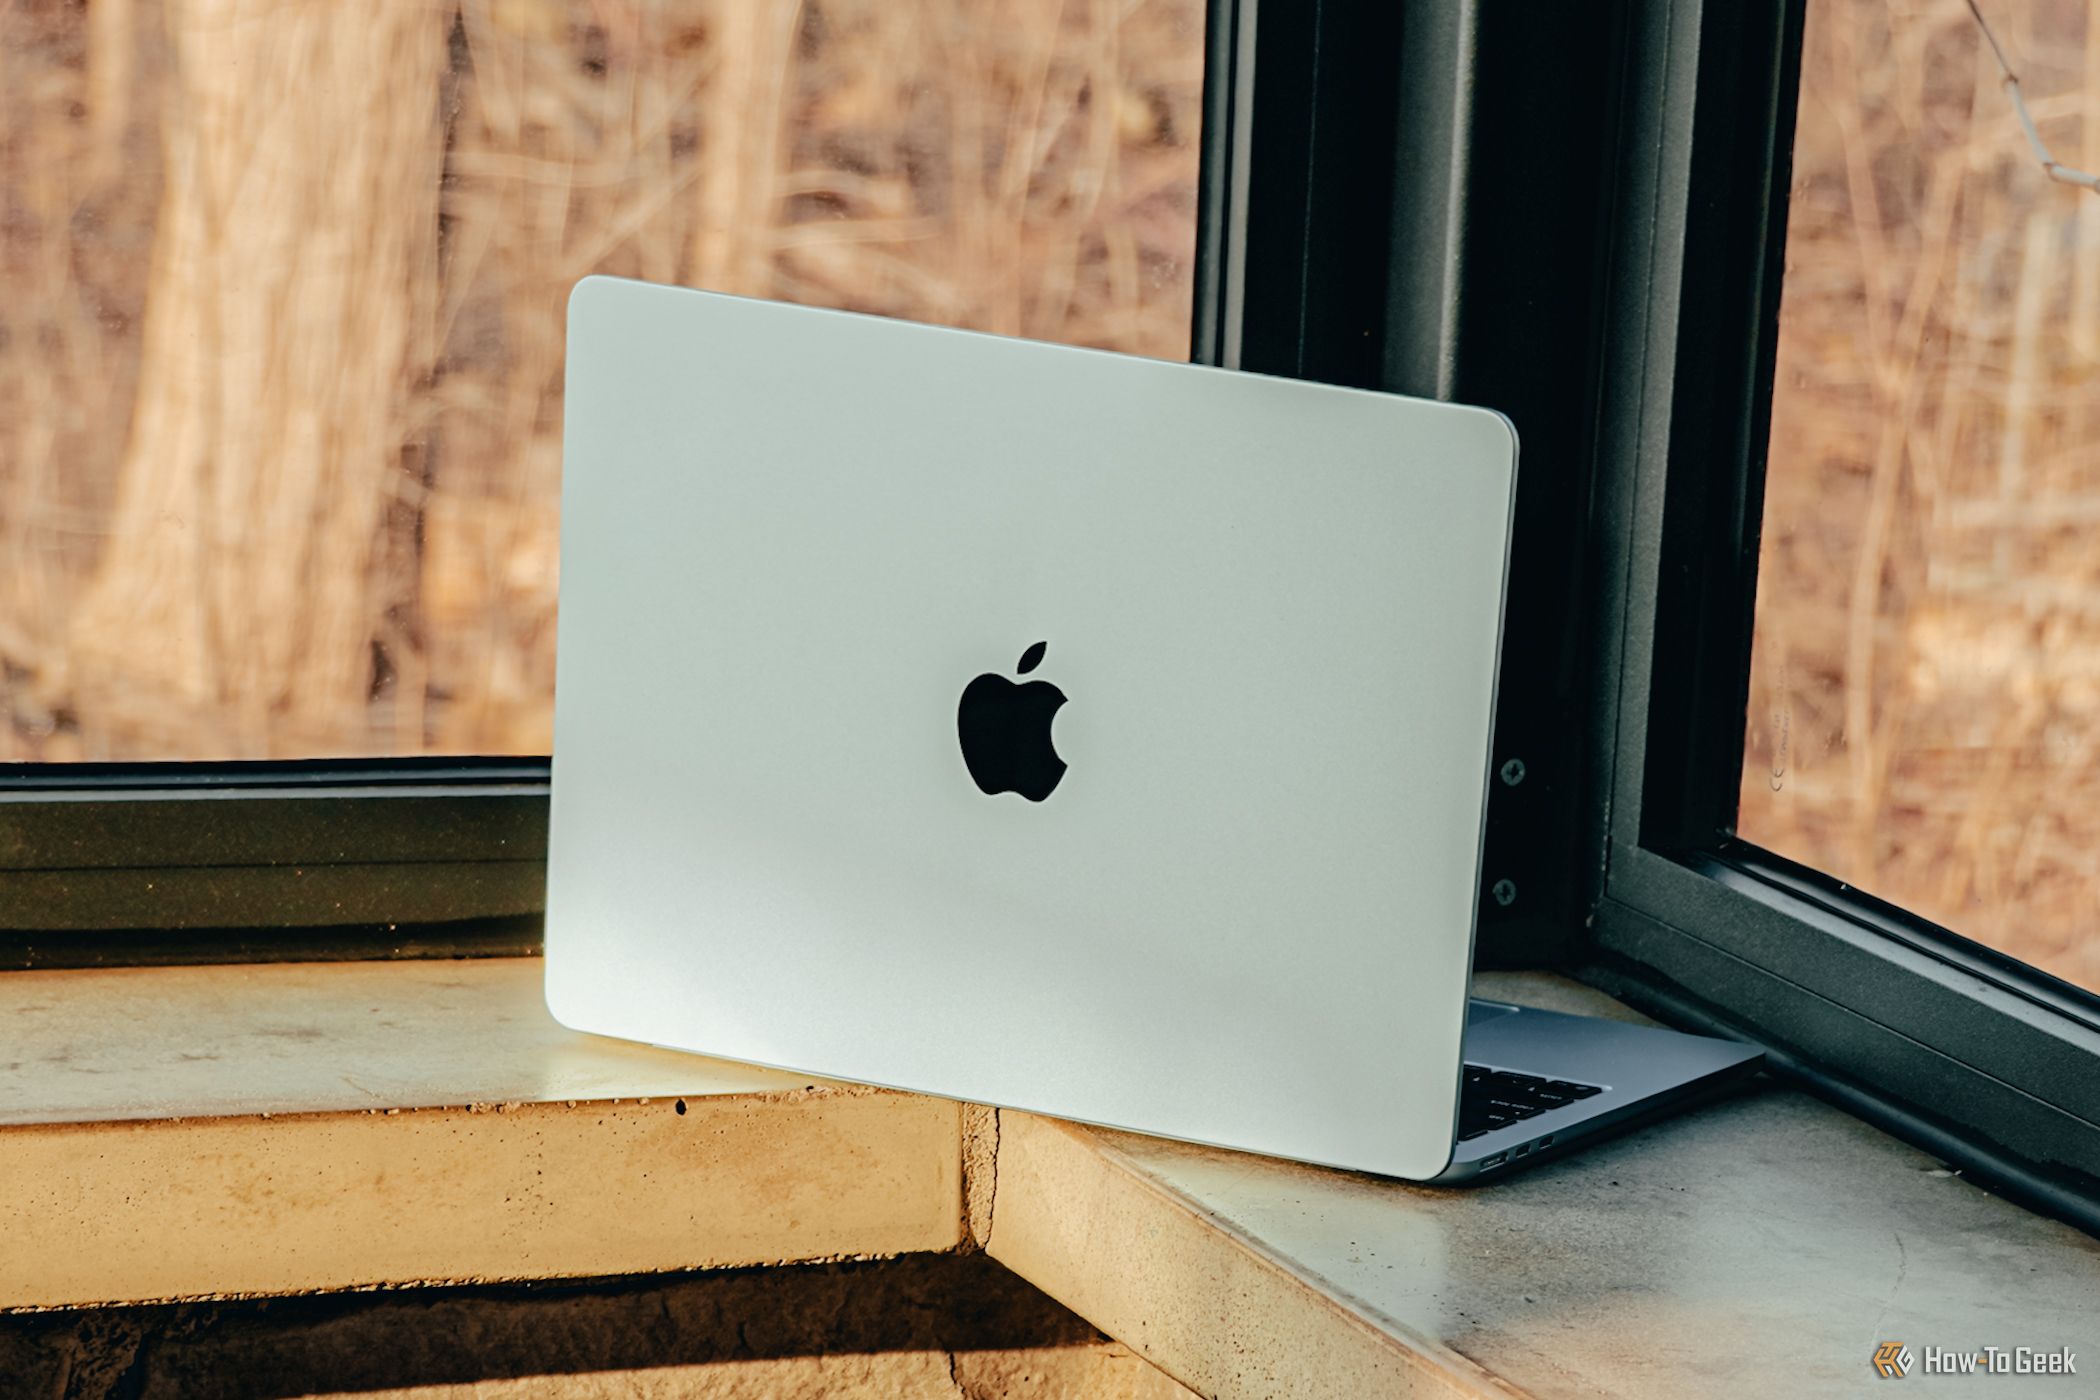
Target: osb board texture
(215, 1207)
(1198, 1300)
(932, 1326)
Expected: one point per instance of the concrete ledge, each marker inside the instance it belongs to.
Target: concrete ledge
(425, 1123)
(1709, 1254)
(1083, 1222)
(181, 1133)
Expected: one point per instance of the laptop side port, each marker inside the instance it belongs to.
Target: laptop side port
(1494, 1161)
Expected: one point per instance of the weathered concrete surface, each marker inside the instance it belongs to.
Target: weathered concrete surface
(1764, 1237)
(1759, 1246)
(216, 1206)
(133, 1044)
(202, 1132)
(933, 1326)
(980, 1169)
(1229, 1319)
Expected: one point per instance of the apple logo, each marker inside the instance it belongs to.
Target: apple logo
(1005, 731)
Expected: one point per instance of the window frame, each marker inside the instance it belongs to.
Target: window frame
(201, 862)
(1376, 177)
(1989, 1064)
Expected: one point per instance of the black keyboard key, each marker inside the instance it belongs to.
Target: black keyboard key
(1493, 1099)
(1517, 1110)
(1513, 1097)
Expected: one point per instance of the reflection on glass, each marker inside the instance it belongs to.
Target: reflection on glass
(281, 292)
(1924, 715)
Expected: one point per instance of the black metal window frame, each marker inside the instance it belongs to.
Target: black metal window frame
(202, 862)
(1984, 1061)
(1574, 214)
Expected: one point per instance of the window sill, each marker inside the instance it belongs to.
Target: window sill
(1705, 1254)
(204, 1132)
(216, 1131)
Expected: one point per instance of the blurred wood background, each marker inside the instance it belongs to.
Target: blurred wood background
(281, 295)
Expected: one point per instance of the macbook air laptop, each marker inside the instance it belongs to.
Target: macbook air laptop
(1047, 728)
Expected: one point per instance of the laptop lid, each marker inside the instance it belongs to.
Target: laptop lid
(1221, 649)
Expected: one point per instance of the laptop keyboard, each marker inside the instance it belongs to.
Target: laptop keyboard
(1496, 1098)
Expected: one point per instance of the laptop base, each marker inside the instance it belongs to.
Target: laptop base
(1540, 1082)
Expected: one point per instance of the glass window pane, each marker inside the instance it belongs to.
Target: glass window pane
(1925, 701)
(281, 292)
